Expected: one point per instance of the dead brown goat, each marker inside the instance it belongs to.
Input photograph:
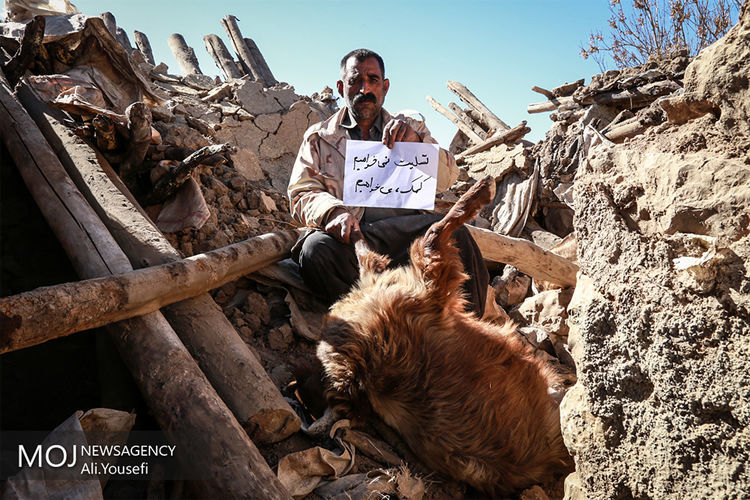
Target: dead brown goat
(467, 396)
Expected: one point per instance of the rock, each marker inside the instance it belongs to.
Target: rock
(573, 489)
(246, 137)
(510, 288)
(256, 304)
(258, 100)
(268, 123)
(721, 70)
(180, 134)
(267, 204)
(546, 310)
(661, 404)
(279, 339)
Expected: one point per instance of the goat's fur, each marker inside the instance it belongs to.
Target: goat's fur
(468, 397)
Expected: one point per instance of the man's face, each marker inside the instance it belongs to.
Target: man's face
(363, 88)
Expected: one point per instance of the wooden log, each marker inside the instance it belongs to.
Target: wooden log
(525, 256)
(473, 136)
(261, 62)
(139, 127)
(546, 93)
(508, 137)
(627, 129)
(122, 37)
(184, 54)
(567, 89)
(468, 120)
(144, 46)
(210, 442)
(223, 59)
(46, 313)
(171, 181)
(551, 105)
(240, 47)
(31, 43)
(488, 117)
(110, 23)
(223, 356)
(633, 98)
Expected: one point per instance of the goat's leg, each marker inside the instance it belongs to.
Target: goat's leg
(435, 255)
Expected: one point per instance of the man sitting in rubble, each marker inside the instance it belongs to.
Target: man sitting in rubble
(325, 253)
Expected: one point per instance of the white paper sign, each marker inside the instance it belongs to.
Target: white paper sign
(402, 177)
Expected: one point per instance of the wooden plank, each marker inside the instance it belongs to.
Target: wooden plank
(473, 136)
(240, 47)
(508, 137)
(488, 117)
(525, 256)
(184, 54)
(216, 48)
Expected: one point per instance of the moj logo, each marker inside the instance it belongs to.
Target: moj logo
(54, 456)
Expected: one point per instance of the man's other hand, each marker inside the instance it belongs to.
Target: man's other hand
(398, 130)
(342, 225)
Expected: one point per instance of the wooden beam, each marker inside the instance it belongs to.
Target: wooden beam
(508, 137)
(551, 105)
(473, 136)
(488, 117)
(261, 62)
(546, 93)
(51, 312)
(144, 46)
(525, 256)
(240, 47)
(184, 54)
(210, 442)
(468, 120)
(223, 59)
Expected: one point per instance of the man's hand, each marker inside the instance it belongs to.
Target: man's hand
(398, 130)
(342, 225)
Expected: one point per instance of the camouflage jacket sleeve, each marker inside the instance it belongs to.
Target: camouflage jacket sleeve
(312, 192)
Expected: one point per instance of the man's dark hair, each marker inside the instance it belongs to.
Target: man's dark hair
(361, 55)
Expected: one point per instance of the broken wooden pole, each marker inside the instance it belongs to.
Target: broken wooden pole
(546, 93)
(508, 137)
(488, 117)
(122, 37)
(223, 356)
(468, 120)
(240, 47)
(184, 54)
(144, 46)
(223, 59)
(261, 61)
(550, 105)
(473, 136)
(110, 23)
(567, 89)
(525, 256)
(51, 312)
(209, 441)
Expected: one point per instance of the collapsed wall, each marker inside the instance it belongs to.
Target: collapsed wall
(660, 319)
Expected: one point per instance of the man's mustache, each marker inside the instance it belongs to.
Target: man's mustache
(360, 98)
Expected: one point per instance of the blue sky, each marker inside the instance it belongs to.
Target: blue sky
(498, 49)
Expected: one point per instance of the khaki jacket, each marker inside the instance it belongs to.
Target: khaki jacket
(317, 181)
